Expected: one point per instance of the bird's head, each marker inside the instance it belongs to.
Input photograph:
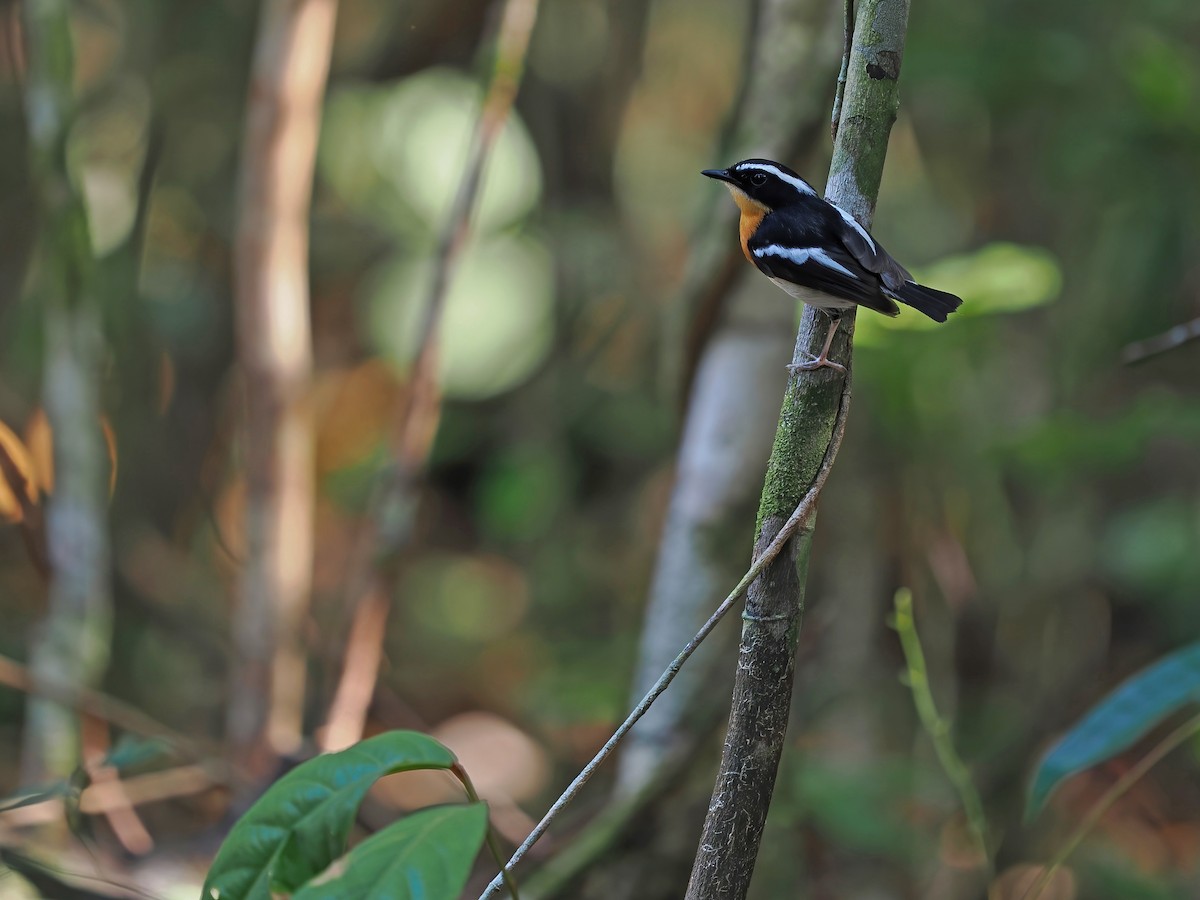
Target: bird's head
(760, 185)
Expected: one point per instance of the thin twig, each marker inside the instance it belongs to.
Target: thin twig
(1111, 796)
(597, 838)
(100, 797)
(123, 820)
(461, 774)
(840, 91)
(96, 704)
(1161, 343)
(389, 513)
(419, 420)
(512, 42)
(938, 728)
(48, 877)
(796, 522)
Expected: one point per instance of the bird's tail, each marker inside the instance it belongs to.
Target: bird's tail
(934, 303)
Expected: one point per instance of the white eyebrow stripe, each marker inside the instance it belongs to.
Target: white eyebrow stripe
(801, 255)
(853, 223)
(798, 183)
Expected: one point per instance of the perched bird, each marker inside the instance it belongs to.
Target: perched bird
(817, 252)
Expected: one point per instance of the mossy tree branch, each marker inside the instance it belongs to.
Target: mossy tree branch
(766, 662)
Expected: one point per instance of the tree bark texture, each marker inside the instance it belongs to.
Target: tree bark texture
(766, 661)
(283, 116)
(71, 652)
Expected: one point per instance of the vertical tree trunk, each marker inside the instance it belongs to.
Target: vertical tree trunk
(71, 652)
(763, 685)
(287, 84)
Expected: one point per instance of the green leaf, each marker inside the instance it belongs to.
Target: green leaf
(35, 796)
(997, 278)
(131, 752)
(1118, 721)
(425, 856)
(300, 825)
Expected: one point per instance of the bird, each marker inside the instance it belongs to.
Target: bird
(817, 252)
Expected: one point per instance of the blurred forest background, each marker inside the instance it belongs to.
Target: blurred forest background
(1039, 495)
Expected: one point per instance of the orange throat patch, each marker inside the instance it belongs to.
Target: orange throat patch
(752, 216)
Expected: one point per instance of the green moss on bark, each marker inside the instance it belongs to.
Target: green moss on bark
(800, 444)
(762, 689)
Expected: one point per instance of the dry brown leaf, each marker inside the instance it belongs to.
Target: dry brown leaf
(354, 408)
(18, 488)
(40, 441)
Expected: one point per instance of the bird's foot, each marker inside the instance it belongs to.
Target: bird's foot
(817, 362)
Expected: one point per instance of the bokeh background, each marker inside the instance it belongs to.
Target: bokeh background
(1039, 495)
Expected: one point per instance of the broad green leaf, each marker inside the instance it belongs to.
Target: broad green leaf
(425, 856)
(1119, 720)
(300, 825)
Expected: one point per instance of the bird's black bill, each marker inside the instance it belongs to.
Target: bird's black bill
(719, 174)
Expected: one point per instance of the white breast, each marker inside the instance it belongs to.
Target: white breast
(819, 299)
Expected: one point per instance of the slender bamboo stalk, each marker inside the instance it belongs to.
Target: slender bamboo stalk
(291, 66)
(73, 646)
(762, 693)
(939, 731)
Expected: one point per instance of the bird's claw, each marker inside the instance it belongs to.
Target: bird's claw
(817, 362)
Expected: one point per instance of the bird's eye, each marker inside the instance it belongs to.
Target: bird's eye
(758, 179)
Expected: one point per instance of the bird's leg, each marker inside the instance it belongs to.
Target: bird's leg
(822, 360)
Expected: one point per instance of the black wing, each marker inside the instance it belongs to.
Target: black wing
(866, 249)
(810, 251)
(897, 283)
(817, 245)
